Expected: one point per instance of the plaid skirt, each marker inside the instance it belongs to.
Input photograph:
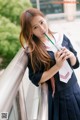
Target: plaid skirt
(66, 104)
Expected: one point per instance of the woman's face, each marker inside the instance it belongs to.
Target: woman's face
(39, 26)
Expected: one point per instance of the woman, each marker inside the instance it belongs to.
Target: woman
(52, 64)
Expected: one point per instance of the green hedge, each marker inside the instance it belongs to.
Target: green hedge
(10, 12)
(9, 40)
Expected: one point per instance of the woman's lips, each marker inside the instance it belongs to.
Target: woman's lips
(44, 32)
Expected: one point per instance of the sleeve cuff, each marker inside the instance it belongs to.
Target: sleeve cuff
(76, 64)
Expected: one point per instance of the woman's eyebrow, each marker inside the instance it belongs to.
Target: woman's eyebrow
(36, 24)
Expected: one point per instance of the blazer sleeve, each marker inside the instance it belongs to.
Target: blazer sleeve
(34, 77)
(70, 46)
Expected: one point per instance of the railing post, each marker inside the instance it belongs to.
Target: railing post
(43, 104)
(70, 9)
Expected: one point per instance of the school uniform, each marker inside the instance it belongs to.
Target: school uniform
(65, 105)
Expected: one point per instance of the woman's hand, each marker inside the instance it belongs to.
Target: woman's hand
(60, 57)
(68, 53)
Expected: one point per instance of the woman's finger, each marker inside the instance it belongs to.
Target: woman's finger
(58, 54)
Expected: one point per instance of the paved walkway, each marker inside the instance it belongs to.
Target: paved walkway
(72, 29)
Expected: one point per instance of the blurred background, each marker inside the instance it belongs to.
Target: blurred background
(10, 11)
(56, 11)
(24, 100)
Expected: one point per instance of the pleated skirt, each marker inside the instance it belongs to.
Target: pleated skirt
(66, 104)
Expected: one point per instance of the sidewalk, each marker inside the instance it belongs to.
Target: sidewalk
(72, 30)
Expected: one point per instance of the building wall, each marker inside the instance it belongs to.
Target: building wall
(68, 7)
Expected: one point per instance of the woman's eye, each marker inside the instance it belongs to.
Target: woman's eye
(35, 27)
(41, 22)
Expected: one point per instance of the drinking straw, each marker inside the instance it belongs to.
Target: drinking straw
(51, 41)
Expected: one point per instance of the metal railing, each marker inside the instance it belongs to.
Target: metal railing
(11, 79)
(43, 103)
(10, 84)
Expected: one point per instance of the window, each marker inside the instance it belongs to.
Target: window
(49, 6)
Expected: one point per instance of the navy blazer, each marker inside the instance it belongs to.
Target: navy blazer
(35, 77)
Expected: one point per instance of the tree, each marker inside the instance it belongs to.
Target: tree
(12, 9)
(10, 29)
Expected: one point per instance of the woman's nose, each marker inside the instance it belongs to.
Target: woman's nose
(41, 28)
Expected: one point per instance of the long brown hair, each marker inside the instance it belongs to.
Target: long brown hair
(38, 55)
